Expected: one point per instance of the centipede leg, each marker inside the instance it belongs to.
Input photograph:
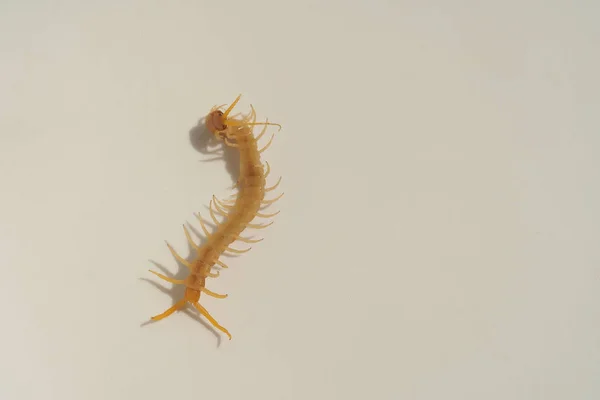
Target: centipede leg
(248, 117)
(267, 145)
(178, 257)
(242, 123)
(166, 278)
(221, 213)
(170, 311)
(214, 322)
(213, 294)
(253, 114)
(218, 151)
(213, 274)
(230, 144)
(218, 208)
(268, 169)
(204, 229)
(212, 159)
(189, 238)
(266, 123)
(274, 186)
(259, 226)
(267, 215)
(236, 251)
(215, 108)
(272, 200)
(221, 264)
(246, 240)
(263, 131)
(230, 201)
(220, 203)
(251, 117)
(212, 215)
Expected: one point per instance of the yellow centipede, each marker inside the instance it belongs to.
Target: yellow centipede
(239, 211)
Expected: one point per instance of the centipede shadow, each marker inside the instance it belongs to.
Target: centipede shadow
(203, 142)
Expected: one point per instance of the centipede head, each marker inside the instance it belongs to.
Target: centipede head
(217, 120)
(216, 123)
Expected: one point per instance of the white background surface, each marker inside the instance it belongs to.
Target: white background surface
(438, 235)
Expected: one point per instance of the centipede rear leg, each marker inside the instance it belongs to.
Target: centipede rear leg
(180, 304)
(213, 321)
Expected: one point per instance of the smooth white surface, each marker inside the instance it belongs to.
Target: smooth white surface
(438, 236)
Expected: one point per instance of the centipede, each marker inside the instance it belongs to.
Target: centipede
(238, 212)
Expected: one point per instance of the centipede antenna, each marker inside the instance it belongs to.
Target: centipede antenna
(226, 113)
